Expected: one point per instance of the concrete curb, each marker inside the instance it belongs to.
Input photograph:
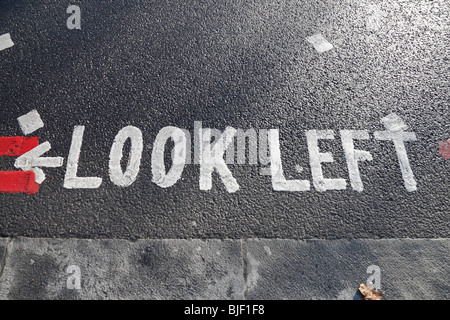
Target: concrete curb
(261, 269)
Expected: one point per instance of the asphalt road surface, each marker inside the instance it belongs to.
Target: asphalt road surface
(359, 121)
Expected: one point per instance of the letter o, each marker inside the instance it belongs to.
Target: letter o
(119, 178)
(160, 177)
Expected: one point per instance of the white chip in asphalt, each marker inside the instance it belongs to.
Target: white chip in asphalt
(5, 41)
(319, 42)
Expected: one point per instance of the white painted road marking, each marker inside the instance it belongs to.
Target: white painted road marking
(319, 42)
(316, 158)
(32, 160)
(160, 177)
(119, 178)
(353, 156)
(279, 183)
(395, 132)
(212, 158)
(211, 155)
(5, 41)
(30, 122)
(71, 181)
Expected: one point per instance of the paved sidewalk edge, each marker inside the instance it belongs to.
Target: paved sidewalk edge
(266, 269)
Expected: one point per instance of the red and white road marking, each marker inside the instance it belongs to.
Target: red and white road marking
(17, 181)
(32, 161)
(29, 152)
(211, 157)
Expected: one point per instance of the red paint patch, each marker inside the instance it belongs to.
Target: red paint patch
(17, 146)
(18, 182)
(444, 148)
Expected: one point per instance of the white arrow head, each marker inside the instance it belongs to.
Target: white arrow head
(32, 160)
